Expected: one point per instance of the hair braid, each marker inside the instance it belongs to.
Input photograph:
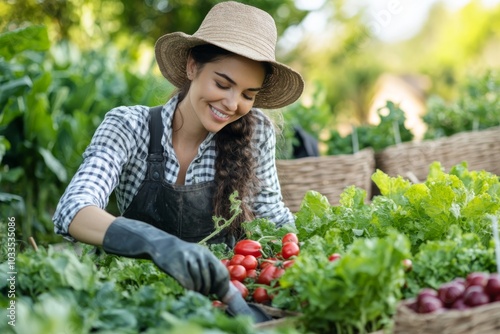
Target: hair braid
(235, 169)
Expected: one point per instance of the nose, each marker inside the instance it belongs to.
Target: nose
(230, 102)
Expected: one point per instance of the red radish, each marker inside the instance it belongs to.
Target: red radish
(492, 287)
(450, 292)
(412, 305)
(474, 295)
(407, 265)
(460, 280)
(334, 256)
(429, 304)
(477, 278)
(459, 304)
(426, 292)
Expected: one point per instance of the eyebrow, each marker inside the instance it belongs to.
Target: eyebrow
(234, 82)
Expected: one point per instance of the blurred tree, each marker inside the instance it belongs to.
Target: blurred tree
(102, 20)
(348, 68)
(452, 45)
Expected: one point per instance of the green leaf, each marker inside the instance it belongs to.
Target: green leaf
(14, 42)
(12, 89)
(53, 164)
(390, 186)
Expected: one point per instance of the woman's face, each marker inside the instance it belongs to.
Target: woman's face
(224, 90)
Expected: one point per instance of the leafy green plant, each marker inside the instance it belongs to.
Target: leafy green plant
(423, 212)
(476, 107)
(357, 293)
(441, 261)
(390, 131)
(58, 291)
(52, 98)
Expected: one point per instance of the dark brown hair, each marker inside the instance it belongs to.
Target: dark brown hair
(235, 163)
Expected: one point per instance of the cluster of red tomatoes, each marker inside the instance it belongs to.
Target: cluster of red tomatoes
(254, 275)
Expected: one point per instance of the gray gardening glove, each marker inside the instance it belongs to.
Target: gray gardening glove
(192, 265)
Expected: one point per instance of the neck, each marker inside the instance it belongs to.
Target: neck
(187, 130)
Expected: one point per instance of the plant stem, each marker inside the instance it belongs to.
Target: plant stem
(235, 211)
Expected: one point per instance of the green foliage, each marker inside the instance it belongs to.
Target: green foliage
(477, 107)
(50, 104)
(99, 21)
(443, 225)
(58, 291)
(442, 261)
(423, 212)
(390, 131)
(355, 294)
(30, 38)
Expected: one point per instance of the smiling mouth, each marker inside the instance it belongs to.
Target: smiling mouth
(218, 113)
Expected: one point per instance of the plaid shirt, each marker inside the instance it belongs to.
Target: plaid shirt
(116, 160)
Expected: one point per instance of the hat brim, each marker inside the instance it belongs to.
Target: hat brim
(282, 87)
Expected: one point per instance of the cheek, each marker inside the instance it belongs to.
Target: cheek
(242, 113)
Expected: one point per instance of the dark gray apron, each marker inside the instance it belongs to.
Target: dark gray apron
(182, 210)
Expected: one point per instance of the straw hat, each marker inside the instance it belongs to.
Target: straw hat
(243, 30)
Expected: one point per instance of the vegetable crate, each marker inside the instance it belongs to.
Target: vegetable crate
(328, 175)
(483, 319)
(480, 149)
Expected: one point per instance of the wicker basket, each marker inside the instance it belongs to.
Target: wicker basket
(480, 149)
(328, 175)
(483, 319)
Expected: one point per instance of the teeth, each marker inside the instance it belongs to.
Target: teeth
(218, 113)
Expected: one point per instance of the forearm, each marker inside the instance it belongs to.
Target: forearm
(90, 224)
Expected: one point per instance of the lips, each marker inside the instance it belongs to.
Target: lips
(219, 114)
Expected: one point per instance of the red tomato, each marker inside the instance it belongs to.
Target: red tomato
(236, 259)
(290, 249)
(248, 247)
(290, 237)
(249, 262)
(269, 274)
(252, 273)
(241, 287)
(334, 256)
(225, 262)
(288, 263)
(266, 262)
(217, 303)
(237, 272)
(260, 295)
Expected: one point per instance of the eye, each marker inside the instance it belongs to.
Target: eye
(221, 86)
(248, 97)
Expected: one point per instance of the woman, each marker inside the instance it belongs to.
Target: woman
(175, 166)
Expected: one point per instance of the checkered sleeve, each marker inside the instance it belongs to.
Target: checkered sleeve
(103, 160)
(269, 202)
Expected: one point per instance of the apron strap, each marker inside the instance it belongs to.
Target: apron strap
(155, 153)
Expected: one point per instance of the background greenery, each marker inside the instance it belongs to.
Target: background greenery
(64, 64)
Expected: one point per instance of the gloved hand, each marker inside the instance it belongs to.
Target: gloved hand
(192, 265)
